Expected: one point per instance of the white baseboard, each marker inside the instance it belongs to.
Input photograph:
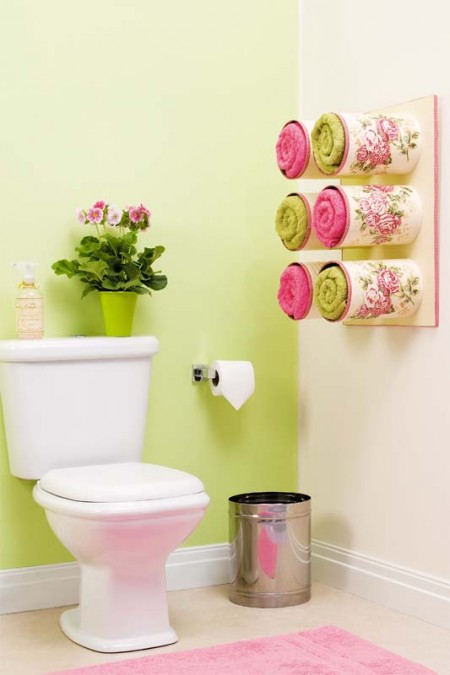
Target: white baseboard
(402, 589)
(399, 588)
(47, 586)
(198, 566)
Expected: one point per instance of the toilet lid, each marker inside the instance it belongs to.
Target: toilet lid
(128, 482)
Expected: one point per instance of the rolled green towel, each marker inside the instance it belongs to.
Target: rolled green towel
(331, 292)
(328, 142)
(292, 222)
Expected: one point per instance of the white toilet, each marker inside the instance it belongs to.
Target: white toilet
(75, 415)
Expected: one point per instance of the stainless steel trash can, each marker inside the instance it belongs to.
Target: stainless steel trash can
(270, 541)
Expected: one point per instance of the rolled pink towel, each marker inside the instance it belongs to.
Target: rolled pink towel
(295, 292)
(293, 149)
(330, 217)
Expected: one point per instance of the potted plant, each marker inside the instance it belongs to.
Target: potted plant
(111, 264)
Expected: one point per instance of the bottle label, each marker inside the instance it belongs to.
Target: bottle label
(30, 318)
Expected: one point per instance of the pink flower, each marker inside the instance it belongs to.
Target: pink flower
(145, 210)
(388, 223)
(383, 188)
(371, 139)
(363, 311)
(81, 216)
(375, 158)
(383, 306)
(384, 151)
(135, 214)
(388, 280)
(376, 303)
(99, 205)
(372, 296)
(372, 219)
(362, 154)
(378, 202)
(95, 215)
(114, 215)
(364, 205)
(387, 129)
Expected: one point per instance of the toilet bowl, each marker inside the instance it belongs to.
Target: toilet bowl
(120, 522)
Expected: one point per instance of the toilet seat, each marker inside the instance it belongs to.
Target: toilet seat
(111, 491)
(121, 482)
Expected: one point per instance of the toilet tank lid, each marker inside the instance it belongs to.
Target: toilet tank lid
(127, 482)
(77, 348)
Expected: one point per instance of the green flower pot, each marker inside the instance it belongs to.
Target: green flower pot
(118, 312)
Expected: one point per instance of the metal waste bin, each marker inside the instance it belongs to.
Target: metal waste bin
(270, 538)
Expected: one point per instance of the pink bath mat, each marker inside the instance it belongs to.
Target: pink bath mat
(321, 651)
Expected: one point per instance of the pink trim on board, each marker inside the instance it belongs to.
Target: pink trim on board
(436, 212)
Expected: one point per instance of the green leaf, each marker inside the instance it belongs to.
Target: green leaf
(88, 246)
(95, 267)
(157, 282)
(132, 271)
(67, 267)
(87, 290)
(141, 290)
(149, 255)
(112, 284)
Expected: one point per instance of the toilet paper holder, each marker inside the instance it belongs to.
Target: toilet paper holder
(202, 373)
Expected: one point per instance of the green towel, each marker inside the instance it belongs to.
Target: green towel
(330, 292)
(292, 222)
(328, 142)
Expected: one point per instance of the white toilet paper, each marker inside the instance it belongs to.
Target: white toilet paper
(235, 381)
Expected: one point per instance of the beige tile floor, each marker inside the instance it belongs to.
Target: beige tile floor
(31, 643)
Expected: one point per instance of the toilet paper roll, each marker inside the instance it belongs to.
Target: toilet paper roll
(234, 380)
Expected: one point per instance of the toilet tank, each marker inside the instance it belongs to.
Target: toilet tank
(74, 401)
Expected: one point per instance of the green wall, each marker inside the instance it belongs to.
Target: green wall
(178, 105)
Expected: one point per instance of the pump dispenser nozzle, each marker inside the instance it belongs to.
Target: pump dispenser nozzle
(26, 270)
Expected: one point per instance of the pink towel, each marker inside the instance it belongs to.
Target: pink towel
(295, 292)
(330, 217)
(293, 149)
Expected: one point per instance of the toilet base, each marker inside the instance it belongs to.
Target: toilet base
(70, 625)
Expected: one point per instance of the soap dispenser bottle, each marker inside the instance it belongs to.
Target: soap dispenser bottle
(29, 304)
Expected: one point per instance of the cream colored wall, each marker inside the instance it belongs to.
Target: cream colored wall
(374, 447)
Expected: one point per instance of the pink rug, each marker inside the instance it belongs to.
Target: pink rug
(321, 651)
